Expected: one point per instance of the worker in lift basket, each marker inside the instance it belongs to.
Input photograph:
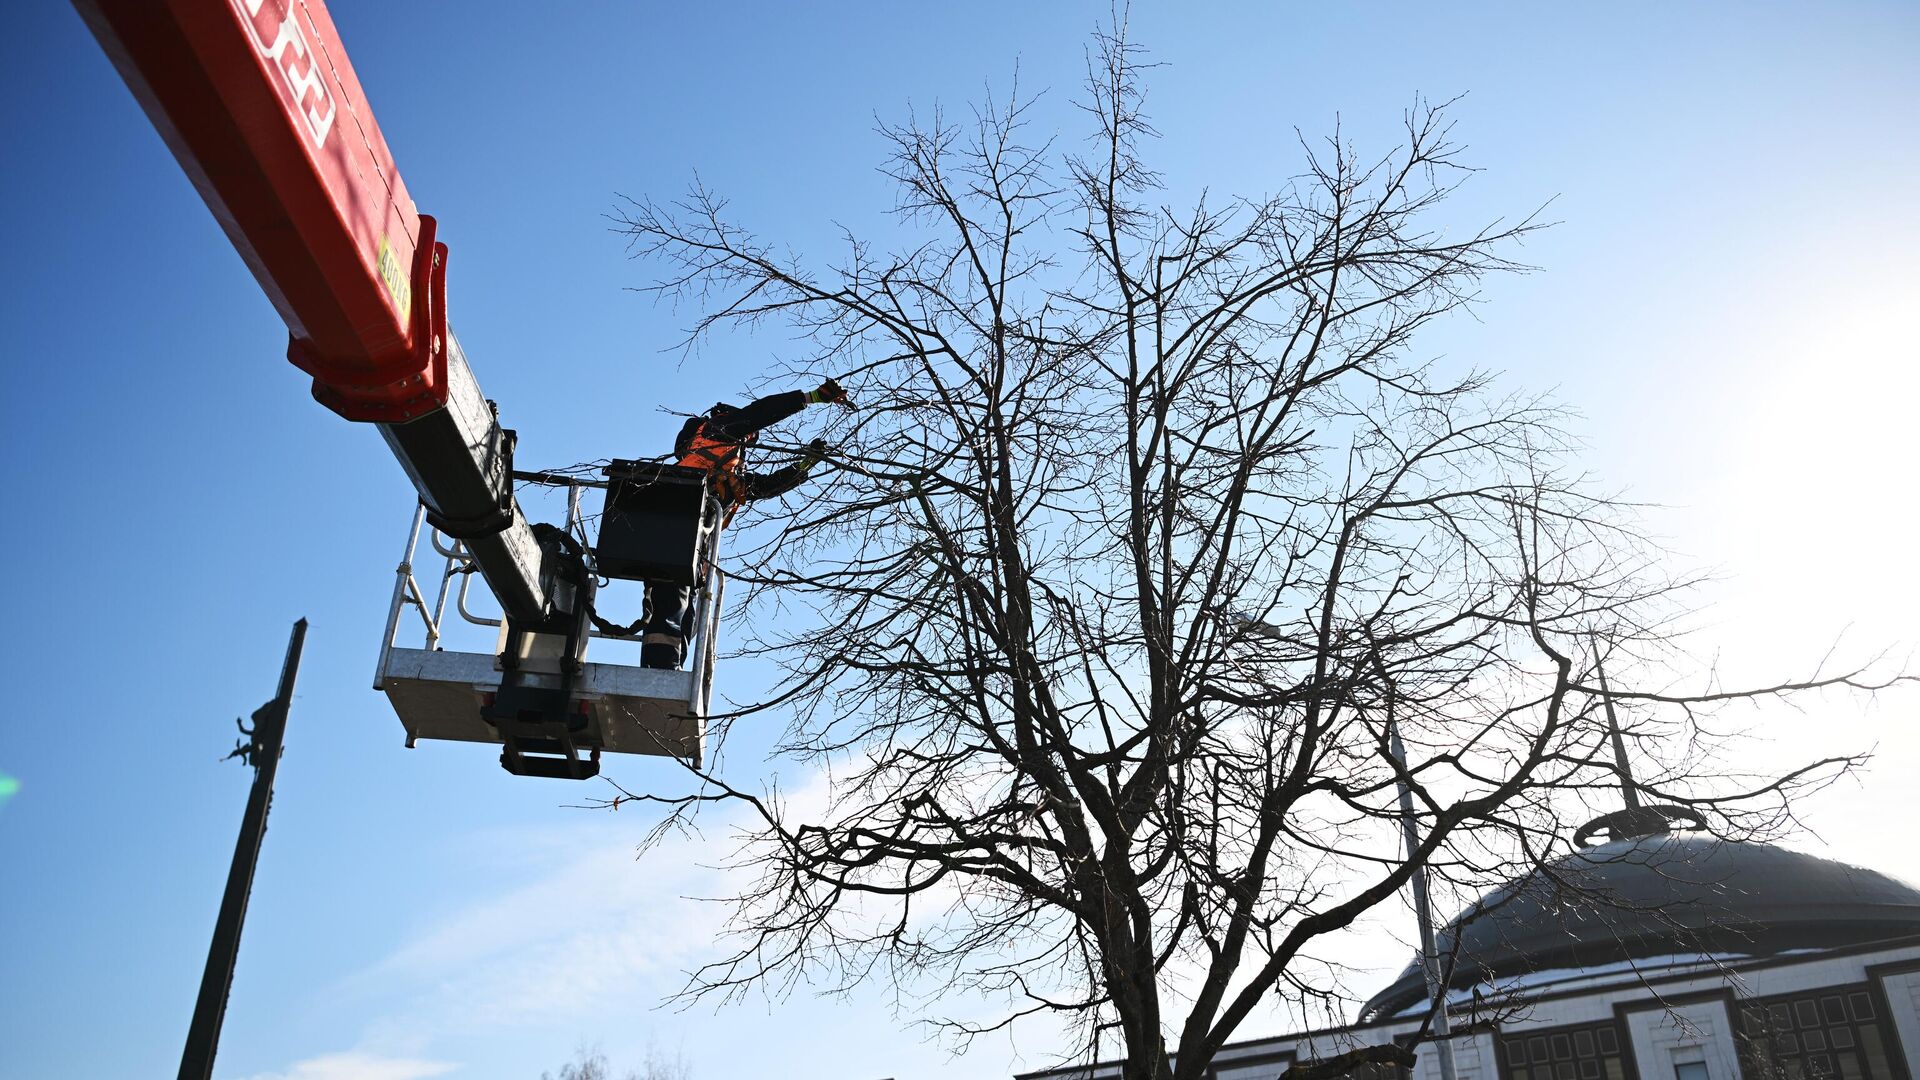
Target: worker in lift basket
(717, 442)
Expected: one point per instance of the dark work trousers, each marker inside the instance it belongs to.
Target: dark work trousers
(663, 643)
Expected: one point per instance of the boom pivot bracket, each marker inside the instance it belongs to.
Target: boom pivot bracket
(544, 729)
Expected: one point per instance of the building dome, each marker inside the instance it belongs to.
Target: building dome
(1662, 895)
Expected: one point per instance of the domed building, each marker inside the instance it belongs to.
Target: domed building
(1651, 954)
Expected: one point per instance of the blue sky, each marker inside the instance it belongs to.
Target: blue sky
(1729, 298)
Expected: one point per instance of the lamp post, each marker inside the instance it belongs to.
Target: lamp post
(1429, 952)
(1410, 834)
(261, 749)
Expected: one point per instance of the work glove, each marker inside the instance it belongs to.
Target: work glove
(814, 451)
(832, 393)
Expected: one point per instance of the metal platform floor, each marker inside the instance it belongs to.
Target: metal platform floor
(438, 695)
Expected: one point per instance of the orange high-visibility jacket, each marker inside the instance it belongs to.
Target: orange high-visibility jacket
(721, 457)
(718, 442)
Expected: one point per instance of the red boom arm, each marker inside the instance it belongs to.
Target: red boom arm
(261, 107)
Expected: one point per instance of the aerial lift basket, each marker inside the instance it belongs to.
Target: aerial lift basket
(657, 524)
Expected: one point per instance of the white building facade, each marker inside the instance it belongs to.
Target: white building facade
(1673, 957)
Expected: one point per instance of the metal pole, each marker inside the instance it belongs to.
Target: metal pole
(263, 753)
(1629, 792)
(1429, 953)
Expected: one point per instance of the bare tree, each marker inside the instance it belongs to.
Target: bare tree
(1148, 530)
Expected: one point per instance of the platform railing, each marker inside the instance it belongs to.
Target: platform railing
(703, 641)
(457, 561)
(406, 590)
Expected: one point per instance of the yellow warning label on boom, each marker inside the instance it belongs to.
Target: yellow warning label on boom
(398, 286)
